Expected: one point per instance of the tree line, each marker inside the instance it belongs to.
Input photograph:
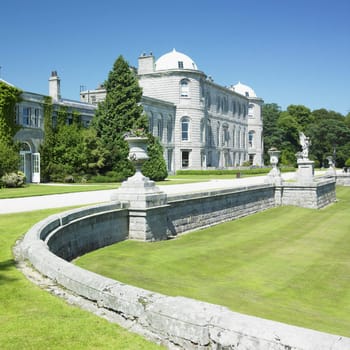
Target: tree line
(328, 130)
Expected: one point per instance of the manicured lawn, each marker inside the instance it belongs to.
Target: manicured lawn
(288, 264)
(31, 318)
(42, 189)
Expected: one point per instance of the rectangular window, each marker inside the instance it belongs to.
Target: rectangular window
(36, 117)
(26, 115)
(180, 64)
(185, 157)
(185, 130)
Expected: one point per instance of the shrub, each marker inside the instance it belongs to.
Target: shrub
(247, 171)
(13, 179)
(110, 176)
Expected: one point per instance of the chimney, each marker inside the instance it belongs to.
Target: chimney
(55, 86)
(146, 64)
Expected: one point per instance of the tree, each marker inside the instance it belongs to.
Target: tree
(155, 167)
(330, 135)
(119, 113)
(9, 156)
(289, 129)
(63, 150)
(302, 115)
(272, 134)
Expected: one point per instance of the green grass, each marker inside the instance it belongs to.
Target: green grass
(31, 318)
(42, 189)
(287, 264)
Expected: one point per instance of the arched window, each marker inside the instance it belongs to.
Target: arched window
(225, 135)
(160, 128)
(184, 88)
(185, 129)
(150, 119)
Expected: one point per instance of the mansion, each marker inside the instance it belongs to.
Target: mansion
(201, 125)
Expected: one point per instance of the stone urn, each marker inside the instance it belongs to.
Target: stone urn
(137, 151)
(274, 176)
(274, 157)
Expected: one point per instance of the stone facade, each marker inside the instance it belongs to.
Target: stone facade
(30, 116)
(201, 124)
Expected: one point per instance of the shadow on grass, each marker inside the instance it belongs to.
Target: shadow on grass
(4, 267)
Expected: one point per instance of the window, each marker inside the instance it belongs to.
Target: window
(185, 159)
(251, 138)
(159, 128)
(218, 134)
(218, 103)
(234, 109)
(202, 131)
(169, 130)
(36, 117)
(184, 88)
(150, 122)
(250, 110)
(180, 64)
(27, 111)
(225, 135)
(185, 129)
(208, 100)
(209, 134)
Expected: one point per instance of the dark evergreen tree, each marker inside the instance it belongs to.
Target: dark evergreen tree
(155, 167)
(272, 134)
(120, 113)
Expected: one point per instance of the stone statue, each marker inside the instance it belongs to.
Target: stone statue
(305, 144)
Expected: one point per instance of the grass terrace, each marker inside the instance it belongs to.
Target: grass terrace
(288, 264)
(31, 318)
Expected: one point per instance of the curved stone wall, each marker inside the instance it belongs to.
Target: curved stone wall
(177, 322)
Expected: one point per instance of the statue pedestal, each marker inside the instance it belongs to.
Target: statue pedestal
(305, 172)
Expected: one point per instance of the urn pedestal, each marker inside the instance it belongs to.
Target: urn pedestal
(147, 204)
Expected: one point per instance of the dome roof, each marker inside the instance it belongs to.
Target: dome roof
(244, 90)
(175, 60)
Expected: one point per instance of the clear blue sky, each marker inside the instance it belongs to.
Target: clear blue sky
(288, 51)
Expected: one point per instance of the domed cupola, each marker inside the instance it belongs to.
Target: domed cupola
(175, 60)
(244, 90)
